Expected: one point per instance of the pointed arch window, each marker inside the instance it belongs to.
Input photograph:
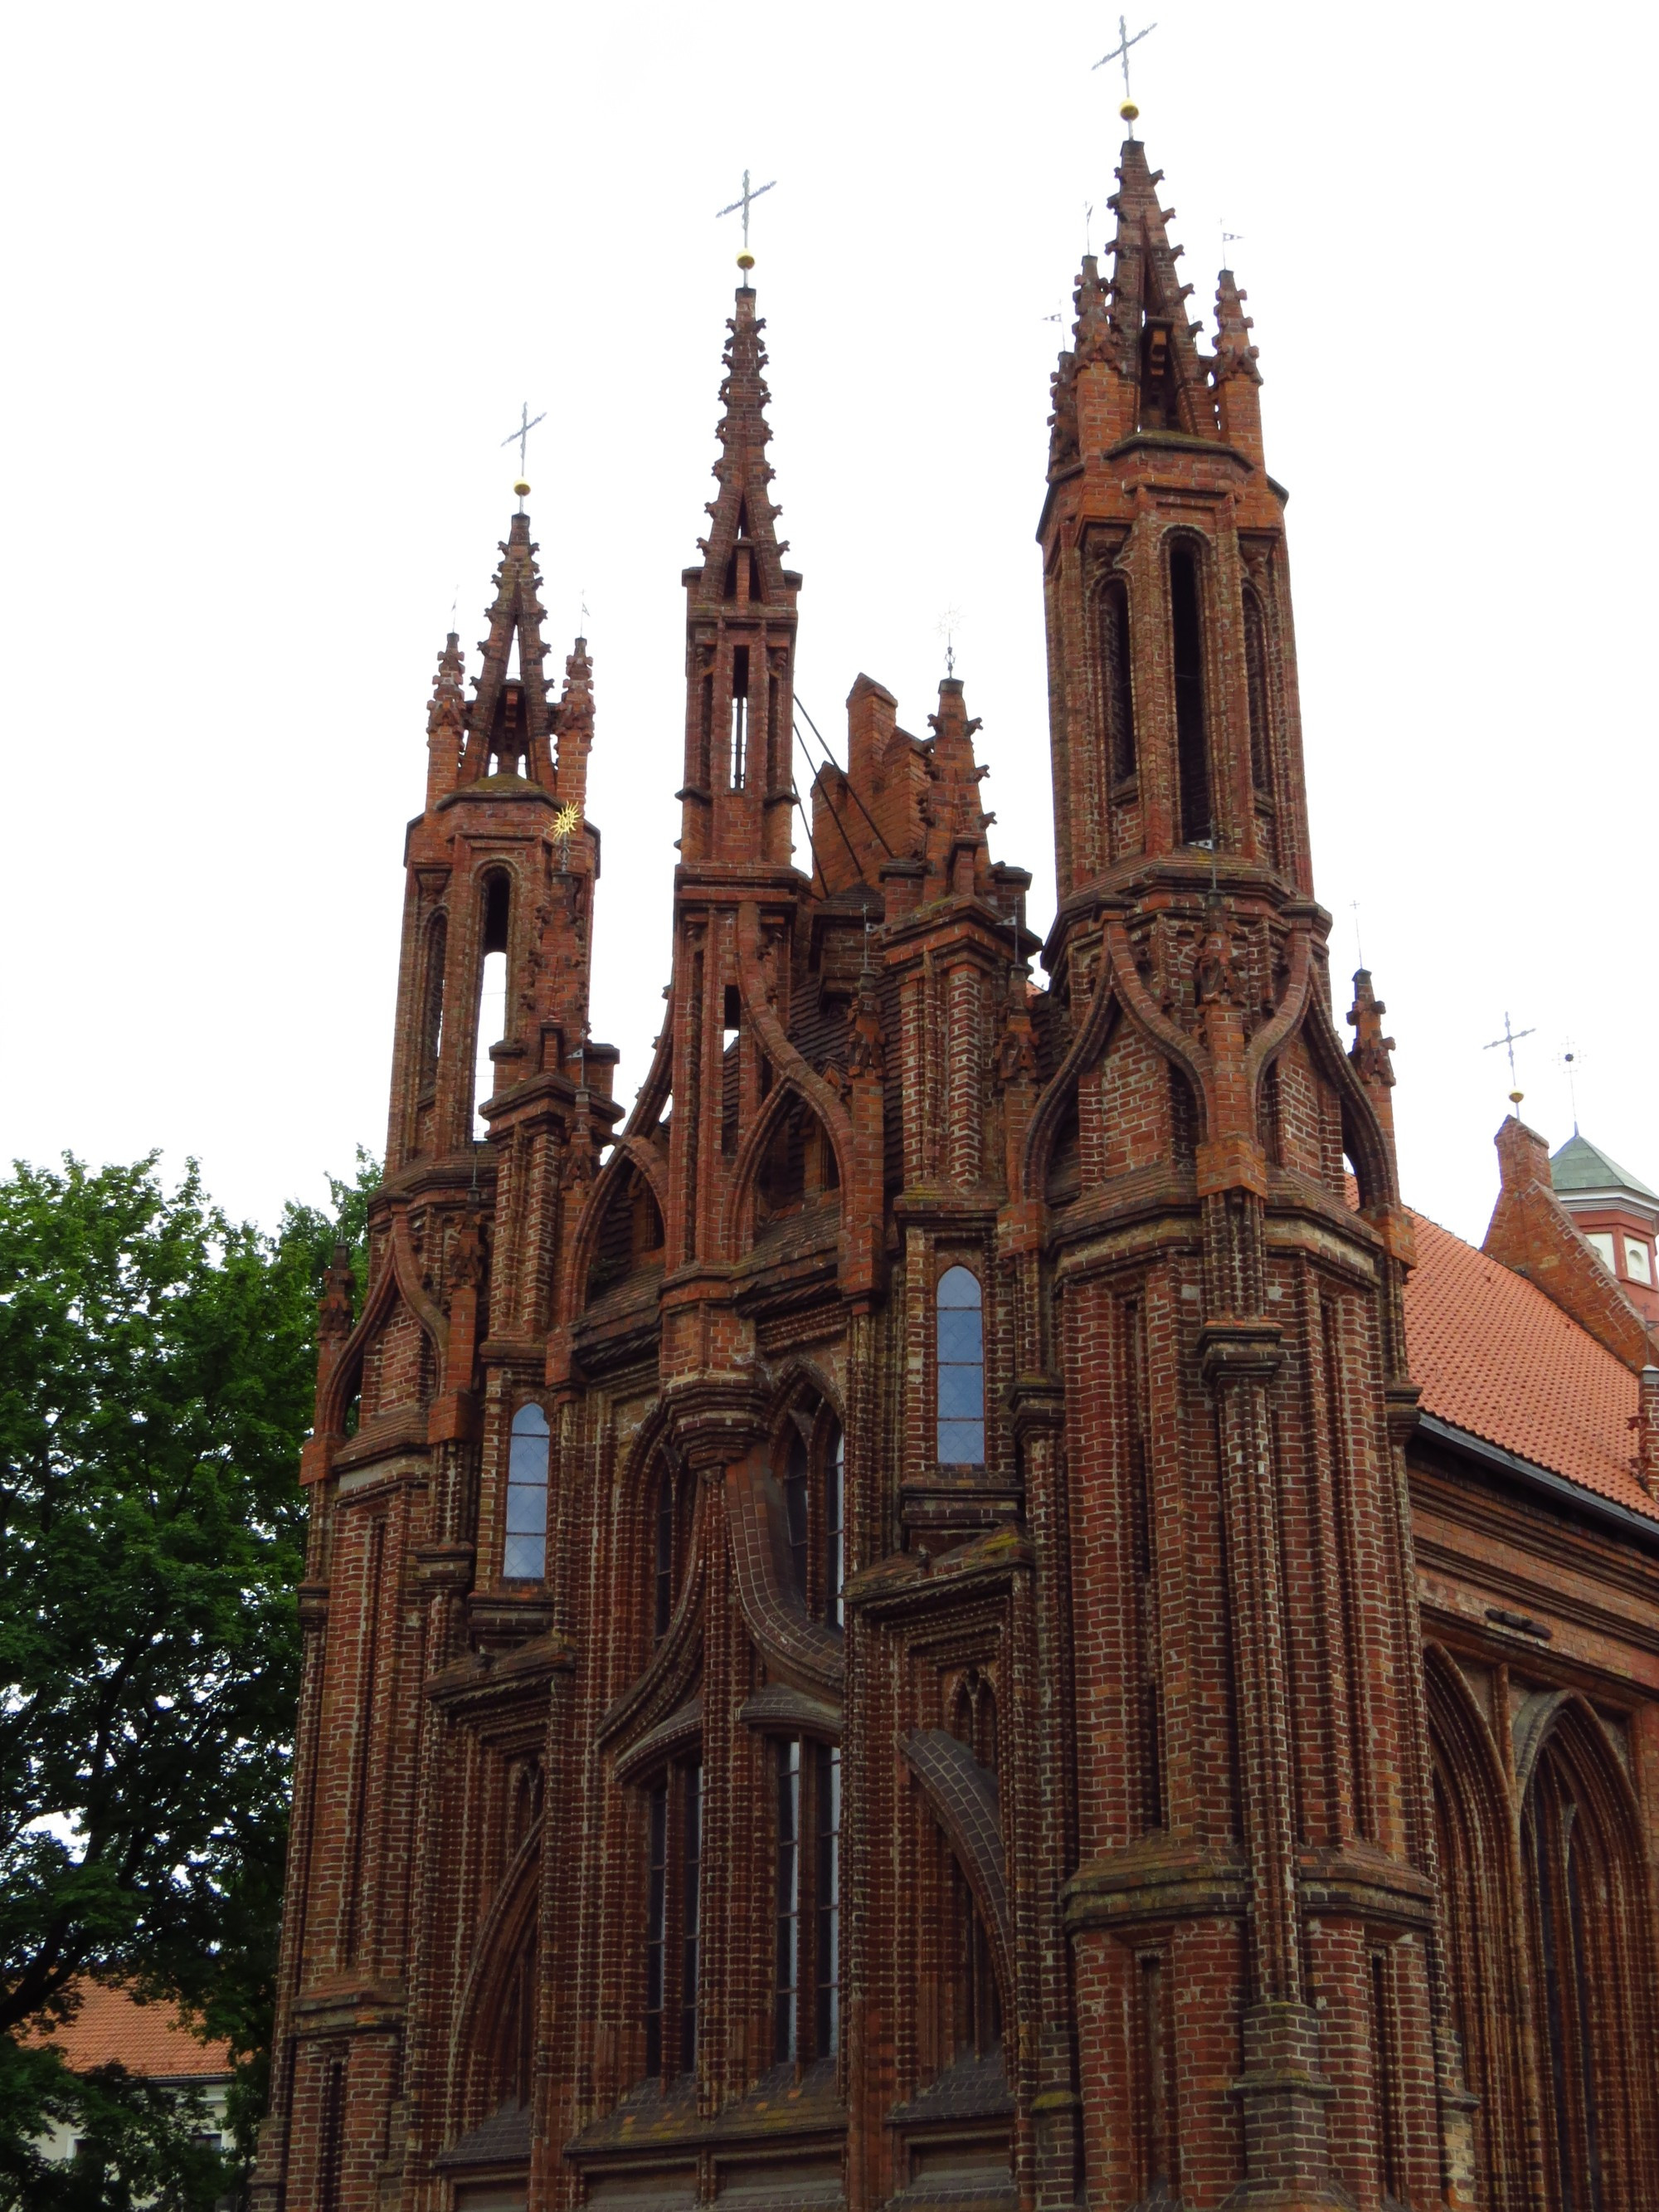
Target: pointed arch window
(1256, 673)
(1192, 732)
(960, 1346)
(1572, 1982)
(525, 1552)
(492, 1004)
(673, 1919)
(432, 1001)
(1116, 687)
(671, 1504)
(814, 1484)
(807, 1901)
(740, 761)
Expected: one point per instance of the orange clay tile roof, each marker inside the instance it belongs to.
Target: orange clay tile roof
(113, 2027)
(1493, 1355)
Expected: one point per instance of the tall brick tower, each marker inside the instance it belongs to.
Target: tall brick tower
(860, 1634)
(1251, 1916)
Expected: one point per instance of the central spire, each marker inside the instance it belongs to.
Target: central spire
(742, 553)
(740, 640)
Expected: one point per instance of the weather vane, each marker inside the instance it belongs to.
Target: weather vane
(1572, 1060)
(1229, 238)
(565, 823)
(947, 630)
(745, 200)
(1120, 53)
(1511, 1038)
(520, 438)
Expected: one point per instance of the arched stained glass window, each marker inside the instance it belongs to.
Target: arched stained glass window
(525, 1558)
(961, 1370)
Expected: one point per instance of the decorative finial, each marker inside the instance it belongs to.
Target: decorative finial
(745, 200)
(522, 488)
(565, 824)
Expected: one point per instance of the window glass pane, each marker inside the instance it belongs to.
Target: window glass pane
(529, 1421)
(527, 1509)
(527, 1558)
(961, 1370)
(960, 1394)
(526, 1460)
(960, 1335)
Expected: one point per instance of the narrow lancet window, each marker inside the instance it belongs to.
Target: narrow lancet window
(961, 1370)
(525, 1555)
(1255, 673)
(664, 1563)
(835, 1538)
(673, 1919)
(1116, 690)
(432, 1006)
(656, 1926)
(492, 983)
(828, 1899)
(690, 1910)
(797, 1515)
(739, 715)
(1192, 736)
(806, 1902)
(786, 2006)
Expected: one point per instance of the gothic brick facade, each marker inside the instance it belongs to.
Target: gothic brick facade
(888, 1627)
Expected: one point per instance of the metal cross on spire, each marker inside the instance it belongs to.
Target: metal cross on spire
(1121, 53)
(520, 438)
(745, 200)
(1511, 1038)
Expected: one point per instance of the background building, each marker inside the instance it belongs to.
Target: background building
(110, 2027)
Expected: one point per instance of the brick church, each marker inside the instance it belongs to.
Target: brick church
(959, 1608)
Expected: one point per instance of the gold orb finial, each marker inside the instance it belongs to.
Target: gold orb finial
(1128, 110)
(1516, 1097)
(522, 488)
(745, 261)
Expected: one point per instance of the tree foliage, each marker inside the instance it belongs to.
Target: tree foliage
(156, 1370)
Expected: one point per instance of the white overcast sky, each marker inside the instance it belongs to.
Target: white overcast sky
(279, 279)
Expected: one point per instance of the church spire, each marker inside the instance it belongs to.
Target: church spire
(742, 555)
(509, 720)
(1237, 379)
(446, 723)
(1162, 383)
(740, 621)
(1175, 723)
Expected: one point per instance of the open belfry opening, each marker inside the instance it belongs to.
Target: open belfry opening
(954, 1608)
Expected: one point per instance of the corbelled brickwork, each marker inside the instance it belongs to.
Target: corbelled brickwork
(865, 1644)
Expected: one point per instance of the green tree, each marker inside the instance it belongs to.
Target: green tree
(156, 1369)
